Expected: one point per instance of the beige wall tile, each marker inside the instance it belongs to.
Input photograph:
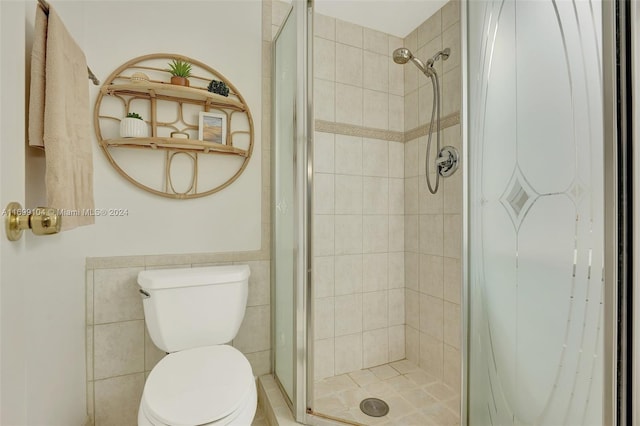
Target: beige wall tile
(412, 313)
(431, 234)
(431, 316)
(375, 110)
(348, 232)
(91, 411)
(324, 310)
(396, 343)
(376, 71)
(324, 153)
(451, 91)
(431, 275)
(396, 78)
(348, 353)
(453, 240)
(259, 283)
(118, 348)
(376, 41)
(396, 159)
(323, 235)
(452, 321)
(348, 314)
(431, 355)
(375, 233)
(375, 271)
(429, 203)
(260, 362)
(348, 154)
(411, 268)
(117, 400)
(324, 26)
(348, 194)
(349, 104)
(279, 11)
(425, 104)
(431, 28)
(375, 195)
(396, 307)
(348, 65)
(452, 193)
(323, 276)
(375, 155)
(396, 270)
(323, 193)
(396, 196)
(116, 296)
(349, 33)
(450, 13)
(451, 39)
(411, 232)
(324, 357)
(396, 113)
(396, 233)
(452, 368)
(375, 310)
(412, 340)
(89, 352)
(375, 347)
(411, 110)
(255, 332)
(324, 99)
(411, 76)
(452, 271)
(412, 161)
(324, 59)
(411, 200)
(348, 279)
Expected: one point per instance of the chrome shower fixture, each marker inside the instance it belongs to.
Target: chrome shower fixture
(446, 161)
(403, 55)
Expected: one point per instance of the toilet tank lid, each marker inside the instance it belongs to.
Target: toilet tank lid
(158, 279)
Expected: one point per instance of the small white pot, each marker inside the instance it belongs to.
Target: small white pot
(133, 128)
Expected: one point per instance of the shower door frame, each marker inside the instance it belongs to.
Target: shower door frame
(302, 366)
(618, 215)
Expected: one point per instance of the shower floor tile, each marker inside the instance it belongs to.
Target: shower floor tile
(415, 398)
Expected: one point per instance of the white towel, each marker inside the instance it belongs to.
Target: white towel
(59, 119)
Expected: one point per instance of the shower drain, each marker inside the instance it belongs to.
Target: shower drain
(374, 407)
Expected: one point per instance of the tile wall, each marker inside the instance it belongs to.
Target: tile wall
(433, 223)
(358, 242)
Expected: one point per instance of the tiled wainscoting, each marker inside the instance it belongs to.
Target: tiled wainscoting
(120, 353)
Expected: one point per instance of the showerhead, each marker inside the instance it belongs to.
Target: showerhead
(402, 55)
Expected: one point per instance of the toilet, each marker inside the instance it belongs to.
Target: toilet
(192, 314)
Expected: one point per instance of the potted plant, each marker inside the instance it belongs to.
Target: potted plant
(133, 126)
(180, 71)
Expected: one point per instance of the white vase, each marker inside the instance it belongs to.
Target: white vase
(133, 128)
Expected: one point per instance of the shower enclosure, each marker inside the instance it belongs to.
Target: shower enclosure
(487, 302)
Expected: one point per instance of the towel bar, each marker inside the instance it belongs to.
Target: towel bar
(45, 7)
(41, 220)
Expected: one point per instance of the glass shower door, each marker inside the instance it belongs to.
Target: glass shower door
(536, 210)
(284, 244)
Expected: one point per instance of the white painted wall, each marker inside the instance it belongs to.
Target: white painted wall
(42, 296)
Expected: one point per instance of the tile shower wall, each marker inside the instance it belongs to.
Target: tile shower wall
(120, 353)
(433, 223)
(358, 242)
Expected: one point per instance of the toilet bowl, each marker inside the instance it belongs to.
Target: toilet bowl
(211, 385)
(191, 313)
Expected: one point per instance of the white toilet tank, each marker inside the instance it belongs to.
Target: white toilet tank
(193, 307)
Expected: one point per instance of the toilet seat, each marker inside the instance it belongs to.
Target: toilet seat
(198, 386)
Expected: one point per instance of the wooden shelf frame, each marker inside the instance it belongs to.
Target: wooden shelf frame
(120, 85)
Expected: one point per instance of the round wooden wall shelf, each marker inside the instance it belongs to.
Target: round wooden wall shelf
(213, 134)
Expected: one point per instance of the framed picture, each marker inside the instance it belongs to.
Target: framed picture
(212, 127)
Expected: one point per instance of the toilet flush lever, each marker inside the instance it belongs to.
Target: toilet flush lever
(145, 295)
